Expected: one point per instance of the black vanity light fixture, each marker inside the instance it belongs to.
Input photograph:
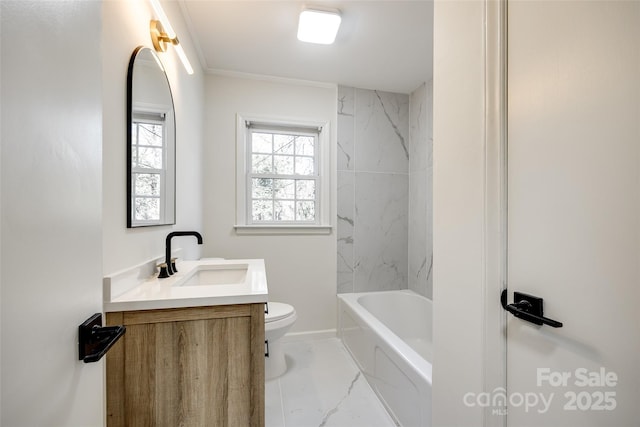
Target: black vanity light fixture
(162, 34)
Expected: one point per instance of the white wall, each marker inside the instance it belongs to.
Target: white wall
(458, 199)
(51, 211)
(301, 270)
(126, 26)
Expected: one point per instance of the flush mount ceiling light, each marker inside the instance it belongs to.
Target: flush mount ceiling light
(318, 26)
(162, 34)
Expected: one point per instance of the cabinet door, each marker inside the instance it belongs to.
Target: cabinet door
(189, 367)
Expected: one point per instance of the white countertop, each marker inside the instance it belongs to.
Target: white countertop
(154, 293)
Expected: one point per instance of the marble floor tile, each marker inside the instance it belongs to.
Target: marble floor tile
(322, 388)
(274, 417)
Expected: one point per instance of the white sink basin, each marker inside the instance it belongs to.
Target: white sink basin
(205, 282)
(223, 274)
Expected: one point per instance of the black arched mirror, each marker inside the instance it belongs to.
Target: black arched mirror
(151, 142)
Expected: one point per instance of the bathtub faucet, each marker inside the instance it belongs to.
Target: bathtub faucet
(170, 268)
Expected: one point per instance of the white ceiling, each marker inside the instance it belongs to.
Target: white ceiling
(383, 45)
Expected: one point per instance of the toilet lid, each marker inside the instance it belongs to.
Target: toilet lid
(277, 311)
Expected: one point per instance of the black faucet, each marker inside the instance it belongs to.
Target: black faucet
(170, 269)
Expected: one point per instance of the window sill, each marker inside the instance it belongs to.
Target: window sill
(283, 229)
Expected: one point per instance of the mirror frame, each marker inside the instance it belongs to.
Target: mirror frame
(170, 219)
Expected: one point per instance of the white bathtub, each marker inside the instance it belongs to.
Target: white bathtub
(389, 336)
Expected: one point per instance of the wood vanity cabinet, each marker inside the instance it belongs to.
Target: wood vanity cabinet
(200, 366)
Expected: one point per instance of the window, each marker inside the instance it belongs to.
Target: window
(282, 176)
(148, 158)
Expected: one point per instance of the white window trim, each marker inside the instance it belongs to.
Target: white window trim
(313, 132)
(162, 197)
(167, 209)
(243, 226)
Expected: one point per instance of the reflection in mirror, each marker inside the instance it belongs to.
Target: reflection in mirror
(150, 143)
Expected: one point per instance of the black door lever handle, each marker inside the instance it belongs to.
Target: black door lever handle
(529, 308)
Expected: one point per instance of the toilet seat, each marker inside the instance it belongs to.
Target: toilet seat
(278, 311)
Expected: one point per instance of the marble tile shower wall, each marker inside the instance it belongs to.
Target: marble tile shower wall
(421, 190)
(373, 190)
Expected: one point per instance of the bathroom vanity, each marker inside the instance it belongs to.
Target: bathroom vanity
(193, 353)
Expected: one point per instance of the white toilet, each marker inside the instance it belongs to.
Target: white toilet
(277, 321)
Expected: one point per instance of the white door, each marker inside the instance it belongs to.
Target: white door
(51, 211)
(574, 212)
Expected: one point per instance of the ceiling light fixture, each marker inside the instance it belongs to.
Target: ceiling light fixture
(162, 33)
(318, 26)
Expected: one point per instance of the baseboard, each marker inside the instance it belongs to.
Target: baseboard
(310, 335)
